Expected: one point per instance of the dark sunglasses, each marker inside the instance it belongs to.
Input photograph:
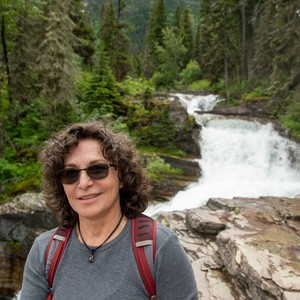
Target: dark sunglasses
(97, 171)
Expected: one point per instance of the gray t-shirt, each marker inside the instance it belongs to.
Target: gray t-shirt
(113, 274)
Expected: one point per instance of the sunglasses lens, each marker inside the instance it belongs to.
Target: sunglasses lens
(69, 176)
(99, 171)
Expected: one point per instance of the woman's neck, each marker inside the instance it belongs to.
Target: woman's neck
(95, 232)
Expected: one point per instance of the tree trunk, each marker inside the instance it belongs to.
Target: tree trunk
(5, 57)
(244, 69)
(226, 68)
(119, 10)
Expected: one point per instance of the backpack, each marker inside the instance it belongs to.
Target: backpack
(143, 236)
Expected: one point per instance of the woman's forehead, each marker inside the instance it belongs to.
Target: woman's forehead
(85, 148)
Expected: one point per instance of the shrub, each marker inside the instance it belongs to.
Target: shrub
(291, 119)
(201, 85)
(156, 166)
(258, 93)
(218, 86)
(163, 80)
(133, 87)
(191, 73)
(18, 177)
(152, 127)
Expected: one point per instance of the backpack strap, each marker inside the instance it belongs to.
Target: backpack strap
(144, 248)
(54, 253)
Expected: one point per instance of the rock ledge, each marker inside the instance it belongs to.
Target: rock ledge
(242, 248)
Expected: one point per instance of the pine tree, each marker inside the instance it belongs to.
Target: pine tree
(188, 35)
(83, 31)
(8, 24)
(177, 20)
(115, 39)
(170, 56)
(277, 45)
(136, 14)
(57, 61)
(23, 66)
(123, 61)
(220, 50)
(286, 63)
(248, 9)
(19, 38)
(108, 29)
(99, 96)
(158, 21)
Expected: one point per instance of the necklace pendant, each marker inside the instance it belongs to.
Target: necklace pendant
(91, 258)
(93, 250)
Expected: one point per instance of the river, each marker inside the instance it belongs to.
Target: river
(239, 158)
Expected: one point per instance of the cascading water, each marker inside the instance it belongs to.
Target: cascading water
(239, 158)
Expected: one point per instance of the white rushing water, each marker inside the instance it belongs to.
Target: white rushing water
(239, 158)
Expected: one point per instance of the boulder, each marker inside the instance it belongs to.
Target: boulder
(21, 220)
(187, 130)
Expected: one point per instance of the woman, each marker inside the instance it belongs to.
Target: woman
(94, 182)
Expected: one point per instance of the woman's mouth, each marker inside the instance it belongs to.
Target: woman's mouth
(88, 197)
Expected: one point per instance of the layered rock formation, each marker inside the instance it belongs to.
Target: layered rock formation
(242, 248)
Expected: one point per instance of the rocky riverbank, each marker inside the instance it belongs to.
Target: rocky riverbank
(240, 248)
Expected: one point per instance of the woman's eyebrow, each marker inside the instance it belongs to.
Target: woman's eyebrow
(96, 161)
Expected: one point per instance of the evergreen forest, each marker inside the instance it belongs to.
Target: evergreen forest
(78, 60)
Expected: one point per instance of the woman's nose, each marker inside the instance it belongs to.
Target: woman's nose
(84, 180)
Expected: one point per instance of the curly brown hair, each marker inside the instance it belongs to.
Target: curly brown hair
(117, 148)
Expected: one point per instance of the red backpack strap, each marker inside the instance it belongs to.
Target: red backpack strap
(54, 253)
(144, 248)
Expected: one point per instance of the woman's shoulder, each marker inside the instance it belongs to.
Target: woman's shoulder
(164, 234)
(43, 239)
(39, 246)
(162, 230)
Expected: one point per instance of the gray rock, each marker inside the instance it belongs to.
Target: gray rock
(21, 220)
(242, 248)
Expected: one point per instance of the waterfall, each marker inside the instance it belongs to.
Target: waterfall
(239, 158)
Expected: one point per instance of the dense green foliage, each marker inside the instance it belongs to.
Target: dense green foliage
(156, 167)
(74, 60)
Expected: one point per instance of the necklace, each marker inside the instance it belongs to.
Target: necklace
(93, 250)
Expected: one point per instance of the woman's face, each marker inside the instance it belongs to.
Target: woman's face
(92, 199)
